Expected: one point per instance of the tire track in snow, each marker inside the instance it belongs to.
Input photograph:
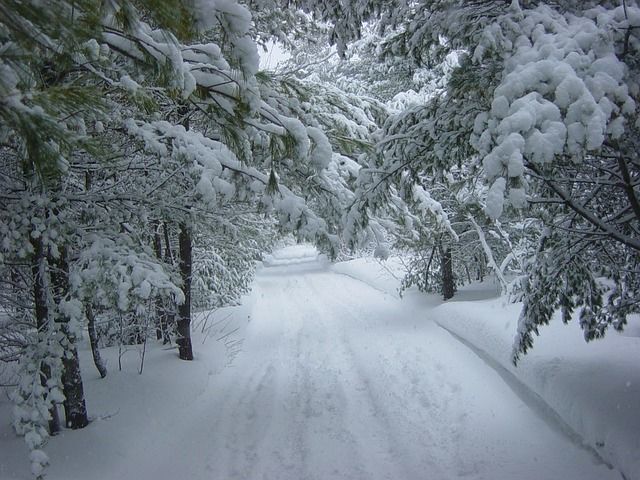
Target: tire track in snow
(425, 421)
(252, 414)
(285, 441)
(334, 383)
(452, 411)
(254, 442)
(324, 398)
(307, 425)
(343, 405)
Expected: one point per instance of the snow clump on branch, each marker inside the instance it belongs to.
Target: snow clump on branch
(564, 92)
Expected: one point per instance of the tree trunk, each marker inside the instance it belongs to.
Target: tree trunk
(38, 271)
(93, 340)
(185, 350)
(479, 267)
(428, 269)
(448, 281)
(75, 408)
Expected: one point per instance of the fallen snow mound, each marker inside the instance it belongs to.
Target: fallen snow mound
(594, 388)
(383, 275)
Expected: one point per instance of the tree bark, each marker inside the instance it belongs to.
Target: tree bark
(185, 350)
(93, 340)
(448, 282)
(75, 408)
(38, 271)
(428, 269)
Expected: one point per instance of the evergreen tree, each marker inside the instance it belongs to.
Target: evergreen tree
(119, 117)
(540, 109)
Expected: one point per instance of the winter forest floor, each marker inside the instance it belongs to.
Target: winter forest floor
(323, 376)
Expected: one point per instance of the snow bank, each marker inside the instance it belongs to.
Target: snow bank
(383, 275)
(593, 388)
(138, 419)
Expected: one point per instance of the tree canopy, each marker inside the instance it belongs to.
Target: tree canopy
(147, 162)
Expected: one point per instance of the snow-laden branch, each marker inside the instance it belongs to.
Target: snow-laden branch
(487, 251)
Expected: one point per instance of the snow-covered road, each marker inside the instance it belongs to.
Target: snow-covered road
(339, 381)
(336, 380)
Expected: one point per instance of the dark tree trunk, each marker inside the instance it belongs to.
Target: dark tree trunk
(75, 408)
(185, 350)
(448, 281)
(38, 271)
(93, 340)
(428, 269)
(183, 327)
(480, 267)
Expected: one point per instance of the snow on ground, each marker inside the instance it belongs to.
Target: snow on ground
(334, 380)
(139, 421)
(592, 390)
(293, 255)
(383, 275)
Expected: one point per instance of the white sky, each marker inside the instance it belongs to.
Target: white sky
(274, 54)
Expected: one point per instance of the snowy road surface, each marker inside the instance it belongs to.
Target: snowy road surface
(335, 380)
(338, 381)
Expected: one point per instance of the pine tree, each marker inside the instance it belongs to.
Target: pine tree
(544, 123)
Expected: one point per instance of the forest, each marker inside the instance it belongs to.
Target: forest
(149, 161)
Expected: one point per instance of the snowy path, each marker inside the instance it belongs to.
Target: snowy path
(336, 383)
(335, 380)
